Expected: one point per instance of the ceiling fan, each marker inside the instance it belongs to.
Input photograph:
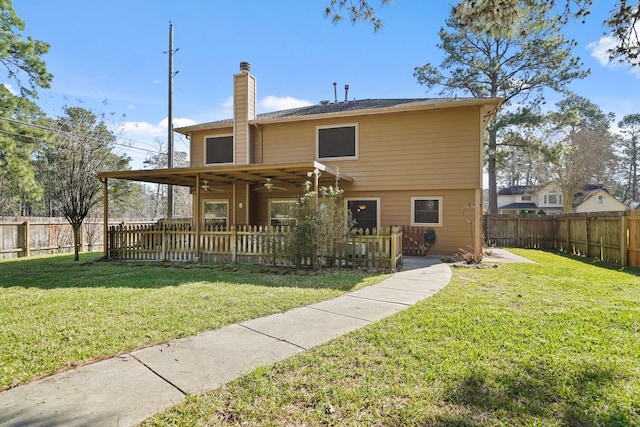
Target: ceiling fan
(269, 186)
(206, 187)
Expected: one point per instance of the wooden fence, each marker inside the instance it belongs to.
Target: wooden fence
(247, 244)
(609, 236)
(27, 236)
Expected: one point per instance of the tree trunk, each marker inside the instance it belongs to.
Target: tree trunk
(491, 169)
(77, 240)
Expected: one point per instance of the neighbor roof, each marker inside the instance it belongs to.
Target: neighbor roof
(356, 107)
(517, 190)
(528, 205)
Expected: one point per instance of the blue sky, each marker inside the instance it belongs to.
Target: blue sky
(113, 51)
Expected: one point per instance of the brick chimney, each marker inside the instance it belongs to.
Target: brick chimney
(244, 109)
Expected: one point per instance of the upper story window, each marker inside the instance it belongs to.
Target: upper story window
(337, 142)
(218, 149)
(552, 199)
(526, 198)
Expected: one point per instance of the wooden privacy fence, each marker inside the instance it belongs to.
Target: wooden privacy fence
(609, 236)
(27, 236)
(247, 244)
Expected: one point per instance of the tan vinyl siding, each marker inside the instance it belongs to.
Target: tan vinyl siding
(197, 144)
(429, 153)
(420, 150)
(455, 232)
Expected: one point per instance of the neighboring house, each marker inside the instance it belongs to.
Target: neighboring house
(595, 198)
(518, 200)
(408, 162)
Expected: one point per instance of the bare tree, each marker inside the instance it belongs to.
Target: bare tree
(181, 195)
(578, 160)
(583, 152)
(79, 149)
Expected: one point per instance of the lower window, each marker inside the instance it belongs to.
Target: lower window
(426, 211)
(364, 213)
(282, 212)
(216, 212)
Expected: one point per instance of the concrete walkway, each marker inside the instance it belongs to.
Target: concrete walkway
(125, 390)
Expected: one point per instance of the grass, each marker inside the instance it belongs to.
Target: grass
(549, 344)
(56, 314)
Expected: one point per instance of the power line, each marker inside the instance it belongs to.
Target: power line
(33, 125)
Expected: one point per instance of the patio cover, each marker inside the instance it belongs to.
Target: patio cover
(290, 173)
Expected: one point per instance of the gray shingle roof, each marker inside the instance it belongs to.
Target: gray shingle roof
(336, 107)
(517, 190)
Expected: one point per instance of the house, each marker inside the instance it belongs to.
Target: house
(527, 199)
(595, 198)
(407, 162)
(519, 200)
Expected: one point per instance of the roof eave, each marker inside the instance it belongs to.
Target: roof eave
(490, 104)
(489, 108)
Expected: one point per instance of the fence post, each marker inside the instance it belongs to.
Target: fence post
(164, 242)
(23, 239)
(567, 250)
(587, 226)
(624, 240)
(234, 244)
(394, 246)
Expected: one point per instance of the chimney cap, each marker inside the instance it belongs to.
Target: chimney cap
(245, 67)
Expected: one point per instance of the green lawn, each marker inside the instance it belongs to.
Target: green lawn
(555, 343)
(56, 314)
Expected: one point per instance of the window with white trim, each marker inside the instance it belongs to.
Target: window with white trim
(426, 211)
(365, 213)
(337, 142)
(282, 212)
(216, 212)
(218, 149)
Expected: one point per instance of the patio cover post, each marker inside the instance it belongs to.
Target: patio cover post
(196, 217)
(105, 215)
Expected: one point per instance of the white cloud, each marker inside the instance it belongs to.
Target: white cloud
(146, 132)
(228, 103)
(275, 103)
(600, 50)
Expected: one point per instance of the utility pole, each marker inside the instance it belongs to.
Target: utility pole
(170, 121)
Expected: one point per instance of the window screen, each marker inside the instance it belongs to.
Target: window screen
(426, 211)
(219, 149)
(337, 142)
